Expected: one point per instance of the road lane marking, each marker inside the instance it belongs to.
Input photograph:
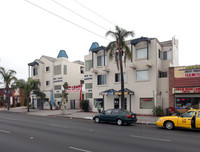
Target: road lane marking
(54, 125)
(78, 149)
(4, 131)
(142, 137)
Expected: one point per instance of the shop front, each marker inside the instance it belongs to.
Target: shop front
(184, 87)
(186, 98)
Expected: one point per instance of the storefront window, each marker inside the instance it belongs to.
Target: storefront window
(187, 103)
(146, 103)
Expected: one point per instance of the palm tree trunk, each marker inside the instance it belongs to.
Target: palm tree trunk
(122, 80)
(28, 104)
(7, 98)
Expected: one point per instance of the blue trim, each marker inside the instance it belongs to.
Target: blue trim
(62, 53)
(33, 63)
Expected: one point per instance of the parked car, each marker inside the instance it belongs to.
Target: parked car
(189, 119)
(119, 116)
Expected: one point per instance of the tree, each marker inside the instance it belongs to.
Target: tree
(28, 87)
(8, 78)
(119, 48)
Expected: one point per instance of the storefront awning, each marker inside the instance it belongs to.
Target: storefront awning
(126, 92)
(108, 92)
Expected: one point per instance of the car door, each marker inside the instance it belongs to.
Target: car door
(114, 115)
(197, 122)
(106, 115)
(185, 120)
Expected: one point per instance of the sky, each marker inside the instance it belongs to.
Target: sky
(32, 28)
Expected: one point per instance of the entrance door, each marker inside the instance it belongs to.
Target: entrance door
(185, 119)
(197, 122)
(116, 103)
(72, 104)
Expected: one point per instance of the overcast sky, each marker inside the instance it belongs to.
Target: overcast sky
(32, 28)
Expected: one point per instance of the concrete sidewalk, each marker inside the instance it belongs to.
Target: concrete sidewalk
(75, 113)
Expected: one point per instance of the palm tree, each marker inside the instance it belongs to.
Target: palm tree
(119, 48)
(28, 87)
(8, 78)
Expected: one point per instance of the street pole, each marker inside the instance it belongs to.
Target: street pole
(154, 104)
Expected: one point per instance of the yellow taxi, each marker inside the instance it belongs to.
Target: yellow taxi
(189, 119)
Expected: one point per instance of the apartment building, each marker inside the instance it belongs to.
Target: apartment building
(52, 74)
(145, 75)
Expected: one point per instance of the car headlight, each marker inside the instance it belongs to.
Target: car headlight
(160, 120)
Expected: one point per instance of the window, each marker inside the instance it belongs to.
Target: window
(188, 114)
(141, 53)
(65, 69)
(88, 95)
(57, 69)
(47, 69)
(82, 70)
(123, 56)
(146, 103)
(118, 77)
(88, 86)
(57, 87)
(100, 61)
(88, 65)
(108, 112)
(199, 114)
(142, 75)
(162, 74)
(57, 95)
(101, 79)
(159, 53)
(47, 83)
(167, 55)
(35, 71)
(115, 112)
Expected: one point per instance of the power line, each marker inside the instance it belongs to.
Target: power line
(79, 15)
(67, 20)
(94, 12)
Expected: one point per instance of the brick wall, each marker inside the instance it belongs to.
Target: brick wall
(171, 85)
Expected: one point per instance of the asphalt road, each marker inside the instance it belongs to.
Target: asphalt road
(25, 133)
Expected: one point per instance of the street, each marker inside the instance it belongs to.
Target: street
(27, 133)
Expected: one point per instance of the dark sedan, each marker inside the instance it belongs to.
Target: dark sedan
(118, 116)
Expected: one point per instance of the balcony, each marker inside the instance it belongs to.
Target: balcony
(94, 70)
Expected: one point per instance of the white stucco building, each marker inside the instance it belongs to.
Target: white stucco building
(53, 73)
(145, 73)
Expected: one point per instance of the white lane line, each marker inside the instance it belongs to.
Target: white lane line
(54, 125)
(142, 137)
(4, 131)
(79, 149)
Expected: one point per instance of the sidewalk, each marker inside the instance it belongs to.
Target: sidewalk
(75, 113)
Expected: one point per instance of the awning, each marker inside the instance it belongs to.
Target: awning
(108, 92)
(33, 63)
(126, 92)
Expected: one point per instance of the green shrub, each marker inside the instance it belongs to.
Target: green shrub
(158, 111)
(85, 105)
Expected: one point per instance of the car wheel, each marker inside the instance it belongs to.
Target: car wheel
(169, 125)
(96, 120)
(119, 122)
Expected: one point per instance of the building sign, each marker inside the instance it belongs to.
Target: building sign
(187, 90)
(75, 88)
(192, 71)
(88, 77)
(57, 79)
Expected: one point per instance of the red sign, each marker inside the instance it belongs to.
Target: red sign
(187, 90)
(76, 88)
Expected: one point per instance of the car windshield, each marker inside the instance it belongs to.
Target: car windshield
(126, 112)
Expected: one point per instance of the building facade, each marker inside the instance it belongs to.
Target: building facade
(53, 73)
(145, 75)
(184, 88)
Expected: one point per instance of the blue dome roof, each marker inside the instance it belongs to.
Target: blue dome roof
(62, 53)
(93, 46)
